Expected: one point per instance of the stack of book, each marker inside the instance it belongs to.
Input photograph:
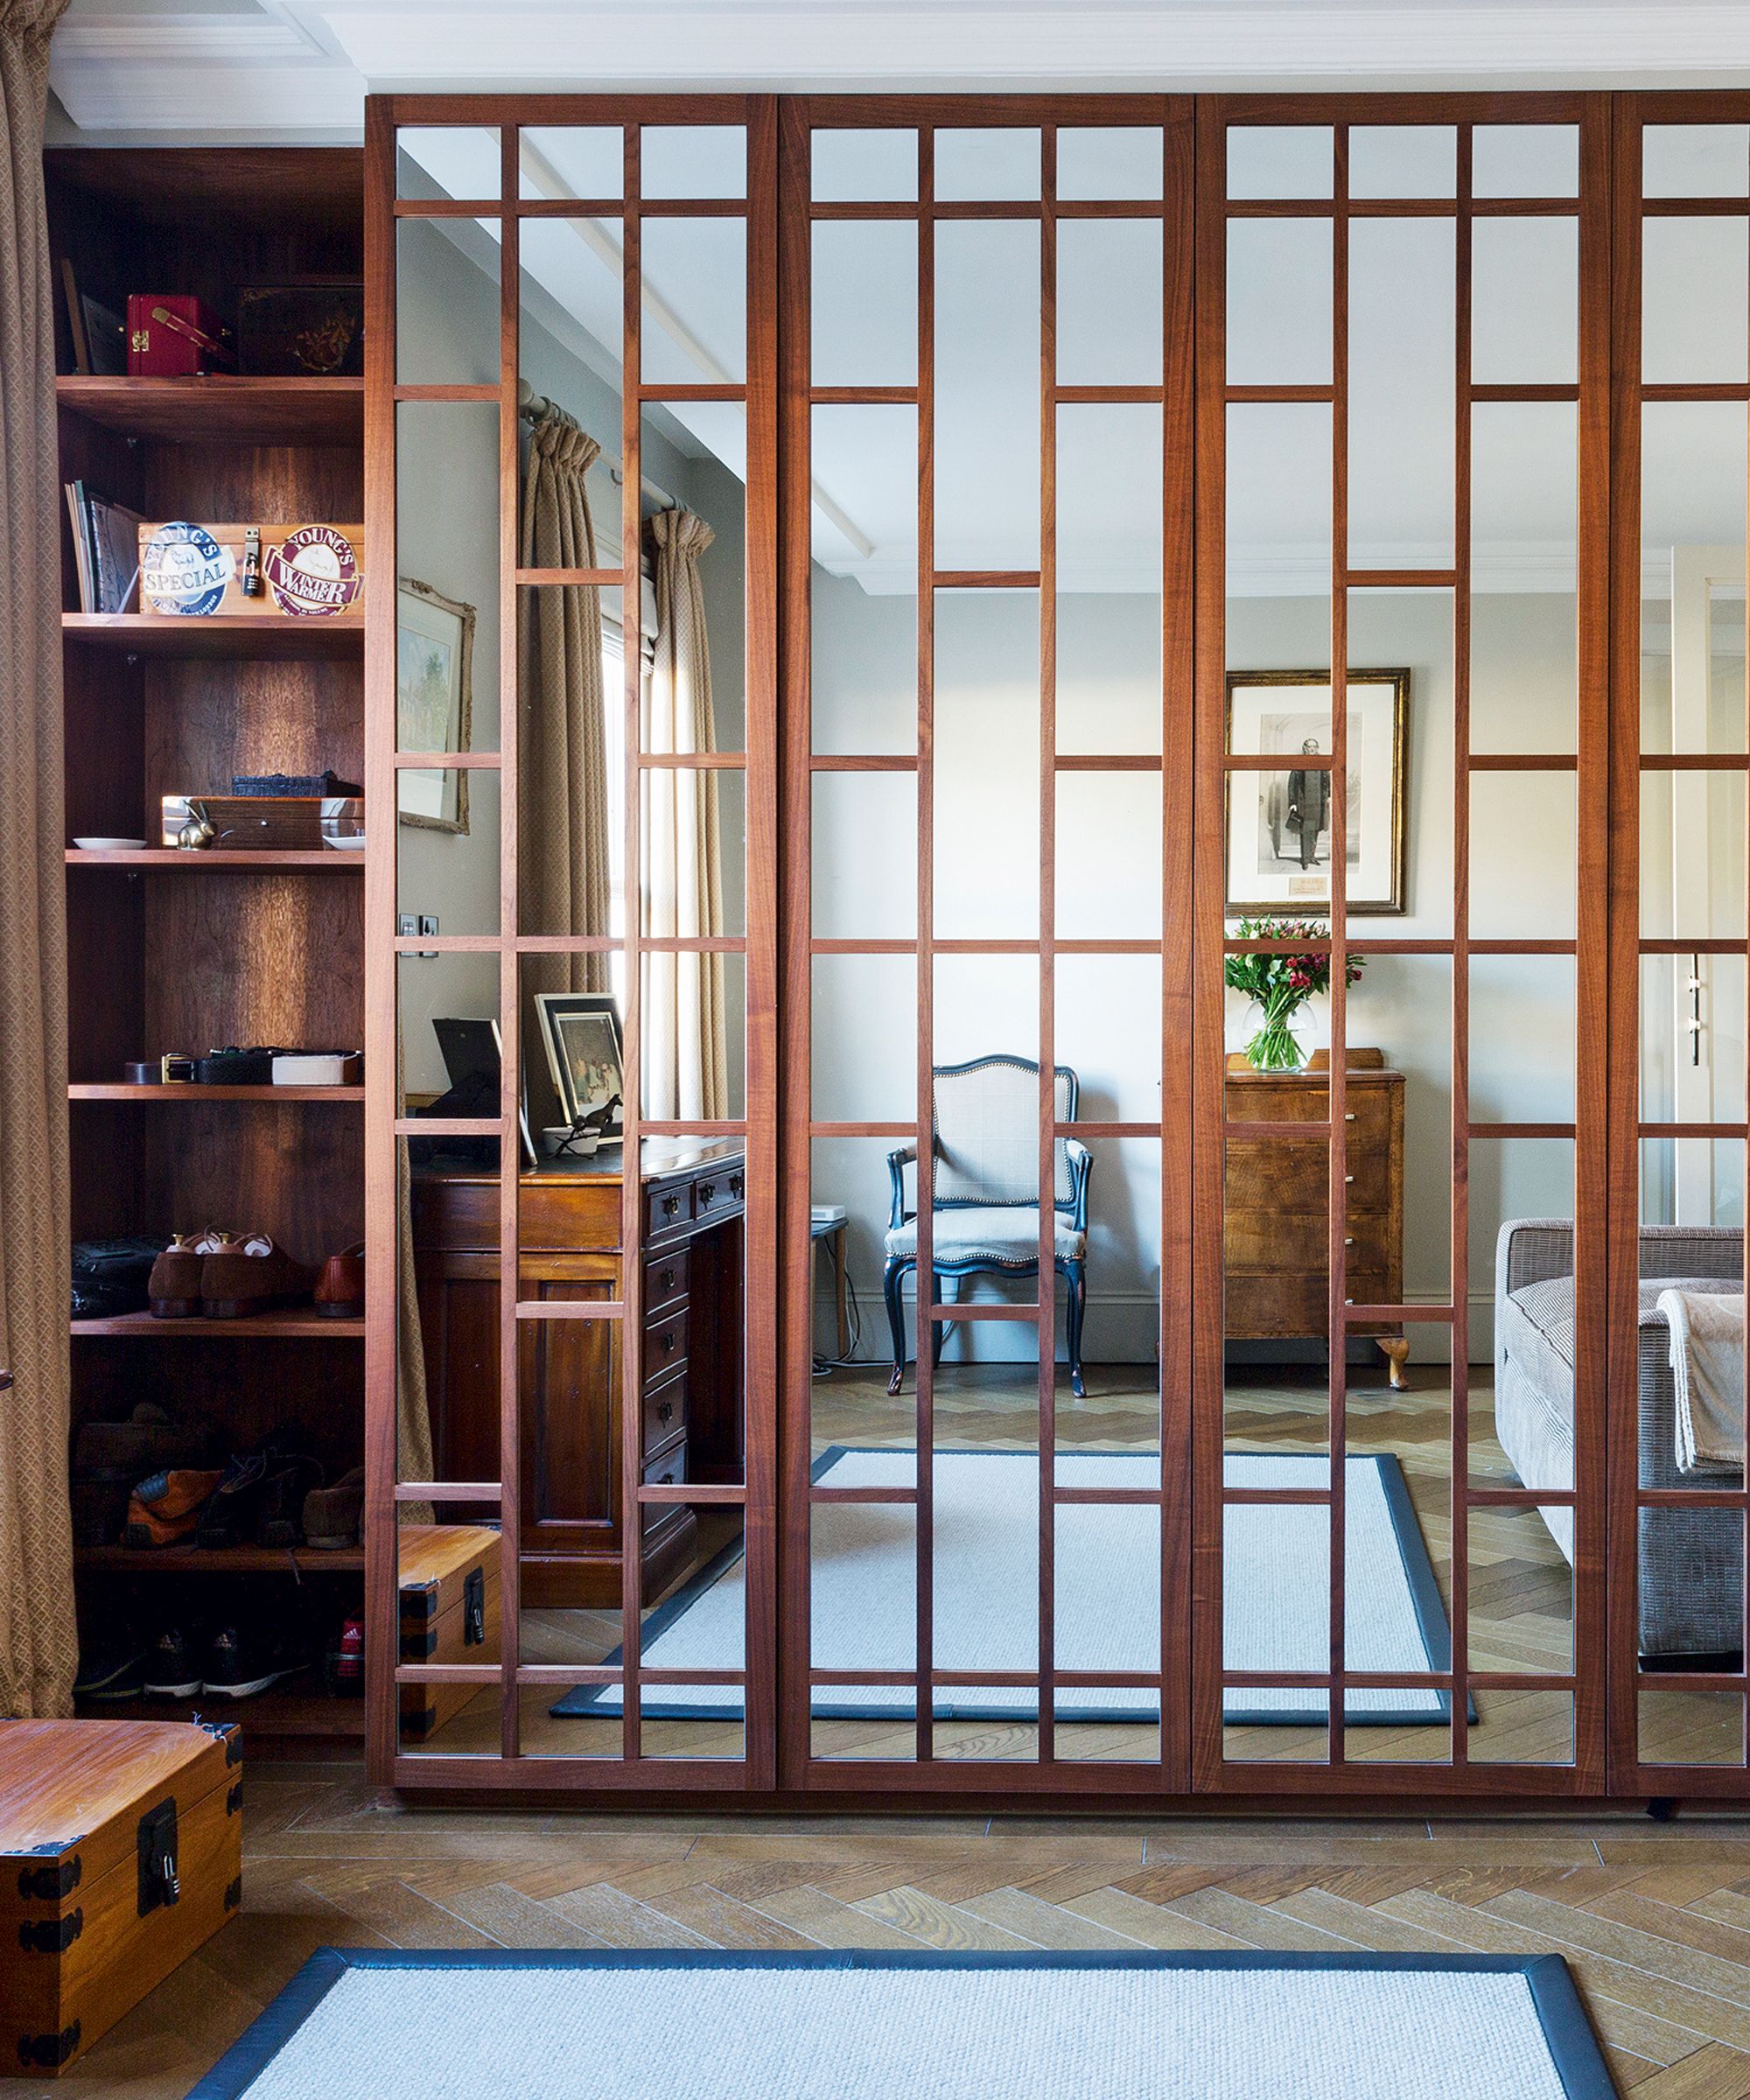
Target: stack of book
(106, 545)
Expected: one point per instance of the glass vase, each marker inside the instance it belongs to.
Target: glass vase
(1276, 1047)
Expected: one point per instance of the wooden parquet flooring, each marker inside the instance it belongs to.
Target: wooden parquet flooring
(1653, 1918)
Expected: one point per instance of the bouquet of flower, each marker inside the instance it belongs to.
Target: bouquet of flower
(1281, 984)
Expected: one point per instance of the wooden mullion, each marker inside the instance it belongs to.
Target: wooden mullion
(382, 1628)
(1178, 918)
(510, 1004)
(925, 1436)
(1459, 1254)
(1045, 1328)
(1336, 1277)
(632, 1110)
(764, 1222)
(1207, 929)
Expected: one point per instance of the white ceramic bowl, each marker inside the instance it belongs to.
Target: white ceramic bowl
(110, 845)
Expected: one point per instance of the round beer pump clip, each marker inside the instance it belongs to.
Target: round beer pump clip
(313, 570)
(185, 569)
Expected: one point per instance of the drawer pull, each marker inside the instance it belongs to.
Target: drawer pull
(665, 1341)
(666, 1412)
(1348, 1116)
(707, 1190)
(1348, 1177)
(1350, 1241)
(736, 1184)
(668, 1279)
(668, 1479)
(670, 1206)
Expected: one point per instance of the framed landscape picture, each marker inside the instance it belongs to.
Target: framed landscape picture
(434, 702)
(1279, 822)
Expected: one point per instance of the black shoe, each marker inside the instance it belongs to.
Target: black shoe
(175, 1668)
(245, 1660)
(234, 1507)
(117, 1670)
(280, 1508)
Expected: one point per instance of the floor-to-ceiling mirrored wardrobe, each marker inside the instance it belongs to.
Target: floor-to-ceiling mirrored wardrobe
(1057, 1018)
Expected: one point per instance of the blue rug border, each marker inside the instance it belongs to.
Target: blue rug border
(1412, 1551)
(1573, 2048)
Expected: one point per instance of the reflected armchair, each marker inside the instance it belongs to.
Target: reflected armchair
(985, 1216)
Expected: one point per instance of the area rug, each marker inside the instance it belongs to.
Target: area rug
(854, 2025)
(862, 1592)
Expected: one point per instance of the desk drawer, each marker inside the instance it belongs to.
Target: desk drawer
(670, 1468)
(665, 1414)
(668, 1209)
(665, 1280)
(717, 1193)
(665, 1343)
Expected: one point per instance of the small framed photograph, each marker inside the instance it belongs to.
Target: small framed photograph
(1278, 823)
(581, 1030)
(434, 702)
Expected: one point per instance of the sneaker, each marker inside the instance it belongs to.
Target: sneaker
(165, 1509)
(343, 1667)
(252, 1276)
(331, 1515)
(173, 1289)
(117, 1670)
(176, 1668)
(244, 1660)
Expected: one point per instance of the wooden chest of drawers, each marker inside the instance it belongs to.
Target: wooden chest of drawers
(1276, 1225)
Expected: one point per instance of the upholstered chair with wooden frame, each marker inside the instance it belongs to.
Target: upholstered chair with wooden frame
(985, 1216)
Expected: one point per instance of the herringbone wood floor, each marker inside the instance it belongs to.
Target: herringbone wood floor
(1654, 1920)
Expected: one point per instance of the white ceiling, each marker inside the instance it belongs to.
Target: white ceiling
(303, 66)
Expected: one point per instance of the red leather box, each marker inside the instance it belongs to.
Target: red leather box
(172, 335)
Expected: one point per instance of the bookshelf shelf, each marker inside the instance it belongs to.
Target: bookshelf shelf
(220, 409)
(336, 637)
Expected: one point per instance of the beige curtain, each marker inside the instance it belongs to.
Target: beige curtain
(562, 768)
(39, 1639)
(686, 1071)
(414, 1459)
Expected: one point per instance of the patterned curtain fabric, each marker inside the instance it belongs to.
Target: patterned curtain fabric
(413, 1453)
(561, 771)
(685, 1058)
(39, 1638)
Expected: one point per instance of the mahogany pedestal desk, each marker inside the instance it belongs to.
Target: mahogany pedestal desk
(691, 1410)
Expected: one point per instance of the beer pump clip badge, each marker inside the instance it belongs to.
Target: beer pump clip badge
(185, 569)
(313, 572)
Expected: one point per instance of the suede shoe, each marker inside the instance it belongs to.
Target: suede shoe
(331, 1515)
(250, 1276)
(174, 1289)
(341, 1288)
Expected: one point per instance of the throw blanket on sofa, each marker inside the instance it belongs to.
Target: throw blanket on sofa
(1707, 1371)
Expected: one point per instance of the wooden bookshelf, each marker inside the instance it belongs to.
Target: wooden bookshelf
(252, 947)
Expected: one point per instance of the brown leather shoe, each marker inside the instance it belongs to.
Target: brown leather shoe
(341, 1288)
(333, 1516)
(253, 1274)
(173, 1289)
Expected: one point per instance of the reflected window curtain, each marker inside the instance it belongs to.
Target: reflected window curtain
(413, 1459)
(38, 1636)
(685, 1058)
(561, 765)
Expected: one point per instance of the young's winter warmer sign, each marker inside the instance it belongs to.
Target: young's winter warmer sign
(312, 570)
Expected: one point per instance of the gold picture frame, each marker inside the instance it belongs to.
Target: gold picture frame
(434, 688)
(1272, 868)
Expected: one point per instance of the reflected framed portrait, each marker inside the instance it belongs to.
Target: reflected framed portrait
(581, 1032)
(1279, 836)
(434, 702)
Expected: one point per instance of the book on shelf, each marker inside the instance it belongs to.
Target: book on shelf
(106, 543)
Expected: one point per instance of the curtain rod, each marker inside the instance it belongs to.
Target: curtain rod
(533, 406)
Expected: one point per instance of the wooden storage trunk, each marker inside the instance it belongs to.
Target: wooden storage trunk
(449, 1614)
(91, 1917)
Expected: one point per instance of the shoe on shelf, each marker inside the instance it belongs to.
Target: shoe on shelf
(117, 1669)
(164, 1509)
(341, 1288)
(343, 1666)
(230, 1516)
(245, 1659)
(174, 1287)
(251, 1275)
(176, 1667)
(289, 1484)
(332, 1515)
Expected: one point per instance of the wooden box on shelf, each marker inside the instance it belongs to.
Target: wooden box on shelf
(449, 1581)
(121, 1852)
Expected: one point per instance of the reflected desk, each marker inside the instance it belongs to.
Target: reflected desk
(691, 1386)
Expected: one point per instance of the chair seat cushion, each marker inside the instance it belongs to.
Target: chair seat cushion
(1005, 1236)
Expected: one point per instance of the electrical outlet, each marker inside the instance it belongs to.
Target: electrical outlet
(406, 926)
(428, 925)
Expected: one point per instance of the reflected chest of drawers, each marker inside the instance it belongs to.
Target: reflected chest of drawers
(572, 1409)
(1276, 1225)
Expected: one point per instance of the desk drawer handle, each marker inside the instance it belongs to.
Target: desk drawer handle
(1348, 1116)
(668, 1479)
(707, 1191)
(665, 1341)
(1350, 1241)
(670, 1205)
(665, 1413)
(1348, 1177)
(668, 1274)
(736, 1184)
